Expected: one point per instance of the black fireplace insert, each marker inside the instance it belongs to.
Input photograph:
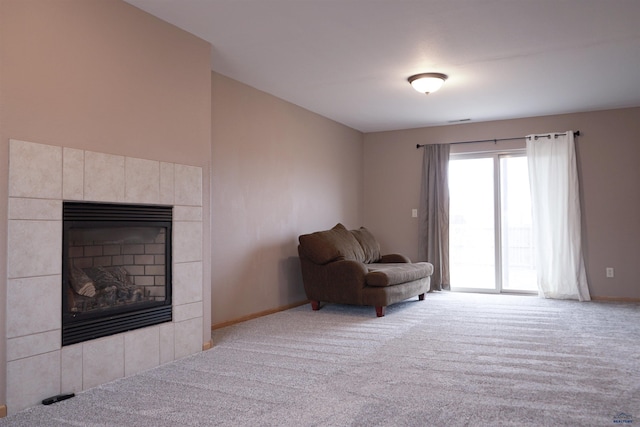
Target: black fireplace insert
(116, 268)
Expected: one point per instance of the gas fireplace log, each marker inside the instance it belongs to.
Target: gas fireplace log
(104, 277)
(81, 283)
(114, 285)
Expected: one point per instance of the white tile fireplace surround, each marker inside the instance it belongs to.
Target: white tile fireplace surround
(40, 178)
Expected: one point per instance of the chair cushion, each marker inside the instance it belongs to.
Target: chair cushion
(381, 275)
(369, 244)
(336, 244)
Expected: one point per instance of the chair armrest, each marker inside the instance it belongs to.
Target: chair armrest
(394, 258)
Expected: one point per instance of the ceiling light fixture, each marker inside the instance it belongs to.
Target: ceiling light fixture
(427, 82)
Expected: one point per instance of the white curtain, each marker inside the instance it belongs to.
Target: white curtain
(555, 204)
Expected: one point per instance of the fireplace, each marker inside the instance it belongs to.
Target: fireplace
(41, 178)
(116, 268)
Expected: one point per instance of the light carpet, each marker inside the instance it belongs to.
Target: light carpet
(453, 359)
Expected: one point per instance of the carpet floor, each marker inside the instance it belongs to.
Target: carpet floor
(453, 359)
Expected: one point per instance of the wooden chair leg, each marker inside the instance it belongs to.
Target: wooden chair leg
(380, 311)
(421, 297)
(315, 305)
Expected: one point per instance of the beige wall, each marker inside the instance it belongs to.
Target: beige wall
(278, 171)
(104, 76)
(608, 152)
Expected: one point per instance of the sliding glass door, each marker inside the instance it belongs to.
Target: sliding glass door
(490, 223)
(518, 266)
(472, 230)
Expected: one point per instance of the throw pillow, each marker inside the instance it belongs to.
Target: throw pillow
(370, 245)
(338, 243)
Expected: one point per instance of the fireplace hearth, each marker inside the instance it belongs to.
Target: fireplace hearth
(116, 271)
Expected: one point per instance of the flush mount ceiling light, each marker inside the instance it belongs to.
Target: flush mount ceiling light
(427, 82)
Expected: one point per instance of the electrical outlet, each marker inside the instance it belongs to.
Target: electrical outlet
(609, 271)
(414, 213)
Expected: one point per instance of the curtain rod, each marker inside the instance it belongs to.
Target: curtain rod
(576, 133)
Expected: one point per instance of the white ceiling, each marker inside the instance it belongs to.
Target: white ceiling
(349, 60)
